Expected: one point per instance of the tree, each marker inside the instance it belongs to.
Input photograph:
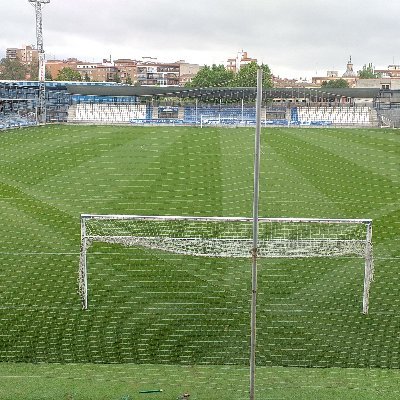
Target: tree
(12, 69)
(368, 72)
(247, 76)
(68, 74)
(219, 76)
(33, 72)
(216, 75)
(117, 78)
(335, 83)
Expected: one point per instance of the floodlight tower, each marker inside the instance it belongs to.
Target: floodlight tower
(42, 66)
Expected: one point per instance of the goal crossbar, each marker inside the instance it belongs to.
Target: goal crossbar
(231, 237)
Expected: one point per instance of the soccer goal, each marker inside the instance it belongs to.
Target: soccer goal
(231, 238)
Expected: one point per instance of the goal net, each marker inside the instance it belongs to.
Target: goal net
(223, 237)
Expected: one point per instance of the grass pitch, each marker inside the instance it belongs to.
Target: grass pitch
(124, 382)
(140, 315)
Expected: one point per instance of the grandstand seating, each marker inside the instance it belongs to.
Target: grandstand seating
(21, 98)
(106, 113)
(330, 116)
(194, 115)
(136, 113)
(304, 116)
(16, 121)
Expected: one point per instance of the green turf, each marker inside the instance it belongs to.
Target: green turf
(123, 382)
(309, 310)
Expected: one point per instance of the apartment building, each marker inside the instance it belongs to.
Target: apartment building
(55, 66)
(97, 72)
(241, 59)
(392, 71)
(12, 53)
(187, 72)
(127, 70)
(151, 73)
(27, 54)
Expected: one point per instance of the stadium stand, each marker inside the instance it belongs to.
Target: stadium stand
(9, 121)
(321, 116)
(219, 114)
(106, 113)
(109, 103)
(20, 99)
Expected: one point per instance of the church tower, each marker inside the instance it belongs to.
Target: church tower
(349, 70)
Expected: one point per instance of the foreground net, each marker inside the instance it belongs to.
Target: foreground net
(219, 237)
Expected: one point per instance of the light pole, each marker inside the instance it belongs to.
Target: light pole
(42, 66)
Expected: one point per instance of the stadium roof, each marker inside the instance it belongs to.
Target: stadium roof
(217, 92)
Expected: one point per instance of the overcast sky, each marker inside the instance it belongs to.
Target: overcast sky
(296, 38)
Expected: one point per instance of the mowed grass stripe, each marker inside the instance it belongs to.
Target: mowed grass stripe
(122, 165)
(285, 188)
(338, 178)
(378, 151)
(187, 180)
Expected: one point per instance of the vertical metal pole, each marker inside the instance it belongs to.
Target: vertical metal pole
(368, 269)
(196, 110)
(83, 281)
(255, 236)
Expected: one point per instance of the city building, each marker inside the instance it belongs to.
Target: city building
(26, 55)
(187, 72)
(97, 72)
(12, 53)
(388, 79)
(379, 83)
(127, 70)
(53, 67)
(279, 82)
(153, 73)
(392, 71)
(242, 59)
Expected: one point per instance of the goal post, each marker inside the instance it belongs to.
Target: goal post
(231, 237)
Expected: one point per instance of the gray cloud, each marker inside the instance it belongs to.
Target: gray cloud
(294, 37)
